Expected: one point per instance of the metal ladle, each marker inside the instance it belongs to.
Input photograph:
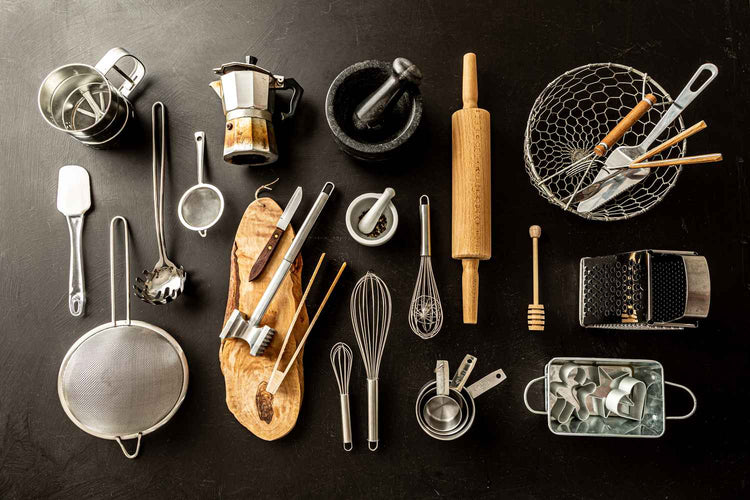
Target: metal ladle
(166, 282)
(202, 205)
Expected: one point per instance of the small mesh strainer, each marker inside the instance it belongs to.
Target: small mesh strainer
(202, 205)
(125, 378)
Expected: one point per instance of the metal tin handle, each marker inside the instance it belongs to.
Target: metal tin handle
(695, 402)
(526, 396)
(424, 219)
(109, 63)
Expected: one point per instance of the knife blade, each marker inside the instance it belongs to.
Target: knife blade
(281, 225)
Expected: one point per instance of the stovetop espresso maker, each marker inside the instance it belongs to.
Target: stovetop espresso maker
(247, 94)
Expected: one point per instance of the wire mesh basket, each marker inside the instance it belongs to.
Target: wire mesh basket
(572, 115)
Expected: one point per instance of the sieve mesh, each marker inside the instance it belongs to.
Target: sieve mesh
(122, 380)
(201, 207)
(573, 114)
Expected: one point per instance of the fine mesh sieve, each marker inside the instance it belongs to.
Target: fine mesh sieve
(125, 378)
(202, 205)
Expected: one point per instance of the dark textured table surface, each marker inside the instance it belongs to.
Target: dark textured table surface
(203, 451)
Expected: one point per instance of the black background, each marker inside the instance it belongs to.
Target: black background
(204, 451)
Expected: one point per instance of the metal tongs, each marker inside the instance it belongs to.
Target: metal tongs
(250, 330)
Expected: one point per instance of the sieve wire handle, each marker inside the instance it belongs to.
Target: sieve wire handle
(112, 271)
(200, 149)
(137, 446)
(109, 63)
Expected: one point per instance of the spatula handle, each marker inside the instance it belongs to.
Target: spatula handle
(76, 289)
(616, 133)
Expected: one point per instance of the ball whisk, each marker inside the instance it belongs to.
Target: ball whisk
(341, 361)
(425, 311)
(370, 308)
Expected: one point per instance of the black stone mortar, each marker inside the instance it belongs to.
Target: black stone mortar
(348, 90)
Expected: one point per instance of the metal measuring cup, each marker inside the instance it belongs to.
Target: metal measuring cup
(202, 205)
(80, 100)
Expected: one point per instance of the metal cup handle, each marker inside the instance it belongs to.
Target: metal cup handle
(109, 63)
(695, 402)
(526, 396)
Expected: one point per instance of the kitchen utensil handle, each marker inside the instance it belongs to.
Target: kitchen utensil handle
(486, 383)
(76, 284)
(297, 91)
(671, 142)
(692, 395)
(132, 79)
(687, 160)
(346, 423)
(200, 150)
(137, 446)
(158, 177)
(372, 414)
(686, 97)
(526, 396)
(265, 254)
(126, 239)
(424, 223)
(470, 289)
(463, 372)
(442, 375)
(469, 88)
(624, 125)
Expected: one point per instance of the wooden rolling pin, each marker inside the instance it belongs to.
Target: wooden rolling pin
(472, 237)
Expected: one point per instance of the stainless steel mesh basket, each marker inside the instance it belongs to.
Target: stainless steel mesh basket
(572, 115)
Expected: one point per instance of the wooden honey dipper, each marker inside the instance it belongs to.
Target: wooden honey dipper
(536, 310)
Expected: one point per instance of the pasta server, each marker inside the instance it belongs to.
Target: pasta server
(73, 200)
(625, 155)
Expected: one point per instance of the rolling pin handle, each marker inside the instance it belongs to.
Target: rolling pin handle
(470, 90)
(470, 286)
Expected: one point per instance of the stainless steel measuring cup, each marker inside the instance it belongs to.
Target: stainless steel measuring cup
(202, 205)
(79, 99)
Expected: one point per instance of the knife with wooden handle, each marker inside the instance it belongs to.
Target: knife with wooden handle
(284, 220)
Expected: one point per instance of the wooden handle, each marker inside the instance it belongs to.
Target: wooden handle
(470, 90)
(265, 254)
(273, 381)
(273, 388)
(470, 286)
(671, 142)
(688, 160)
(624, 125)
(535, 232)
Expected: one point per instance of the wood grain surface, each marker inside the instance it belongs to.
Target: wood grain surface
(203, 452)
(268, 416)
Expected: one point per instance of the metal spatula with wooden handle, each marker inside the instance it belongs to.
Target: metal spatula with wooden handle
(73, 200)
(624, 155)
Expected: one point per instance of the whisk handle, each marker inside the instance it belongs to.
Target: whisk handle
(372, 414)
(424, 219)
(346, 423)
(616, 133)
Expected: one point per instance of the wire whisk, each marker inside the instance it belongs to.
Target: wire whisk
(341, 361)
(370, 308)
(425, 311)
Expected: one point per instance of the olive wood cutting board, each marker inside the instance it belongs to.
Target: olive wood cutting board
(268, 416)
